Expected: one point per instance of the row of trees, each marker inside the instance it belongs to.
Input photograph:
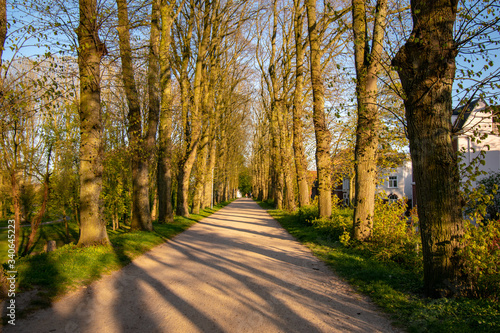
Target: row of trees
(135, 109)
(305, 48)
(139, 109)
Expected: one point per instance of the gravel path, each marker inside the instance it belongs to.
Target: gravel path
(235, 271)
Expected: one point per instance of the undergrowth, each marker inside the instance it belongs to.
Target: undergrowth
(388, 268)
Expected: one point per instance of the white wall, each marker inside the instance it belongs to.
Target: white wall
(404, 186)
(480, 123)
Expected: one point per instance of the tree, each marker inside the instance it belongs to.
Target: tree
(3, 26)
(164, 178)
(298, 139)
(426, 67)
(320, 126)
(90, 52)
(194, 130)
(141, 146)
(367, 64)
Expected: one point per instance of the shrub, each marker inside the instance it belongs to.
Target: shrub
(395, 236)
(335, 226)
(308, 213)
(490, 184)
(481, 257)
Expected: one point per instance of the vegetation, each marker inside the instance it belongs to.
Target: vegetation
(389, 268)
(116, 112)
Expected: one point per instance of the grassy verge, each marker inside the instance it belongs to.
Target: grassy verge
(395, 289)
(69, 267)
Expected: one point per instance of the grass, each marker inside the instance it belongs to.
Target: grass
(70, 267)
(395, 289)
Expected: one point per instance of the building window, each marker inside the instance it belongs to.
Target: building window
(346, 199)
(393, 181)
(393, 198)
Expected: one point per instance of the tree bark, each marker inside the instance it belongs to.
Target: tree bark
(141, 214)
(16, 202)
(201, 175)
(426, 67)
(276, 170)
(36, 221)
(298, 139)
(90, 52)
(3, 27)
(154, 93)
(208, 191)
(365, 153)
(323, 136)
(164, 177)
(187, 161)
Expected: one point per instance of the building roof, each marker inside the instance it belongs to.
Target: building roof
(464, 112)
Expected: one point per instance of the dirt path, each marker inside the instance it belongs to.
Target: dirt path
(235, 271)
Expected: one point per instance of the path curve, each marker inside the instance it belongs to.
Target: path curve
(235, 271)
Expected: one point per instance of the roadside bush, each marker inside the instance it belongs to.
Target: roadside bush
(308, 213)
(395, 237)
(481, 257)
(491, 184)
(335, 226)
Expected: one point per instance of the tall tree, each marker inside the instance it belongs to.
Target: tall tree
(276, 104)
(141, 214)
(426, 67)
(3, 26)
(164, 178)
(194, 132)
(154, 93)
(367, 57)
(319, 118)
(298, 139)
(90, 52)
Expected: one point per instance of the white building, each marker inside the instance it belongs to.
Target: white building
(478, 130)
(397, 183)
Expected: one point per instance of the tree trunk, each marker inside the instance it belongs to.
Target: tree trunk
(141, 215)
(164, 177)
(115, 221)
(16, 202)
(3, 27)
(276, 170)
(154, 94)
(298, 139)
(323, 137)
(201, 175)
(154, 209)
(90, 52)
(426, 67)
(209, 183)
(36, 221)
(365, 153)
(193, 140)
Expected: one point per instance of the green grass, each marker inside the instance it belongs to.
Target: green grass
(395, 289)
(70, 267)
(55, 232)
